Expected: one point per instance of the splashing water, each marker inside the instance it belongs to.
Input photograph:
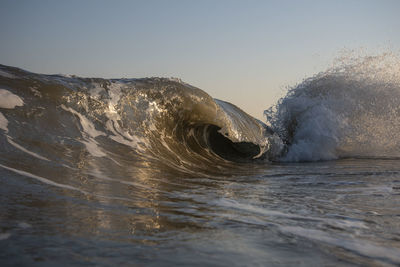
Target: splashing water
(131, 171)
(350, 110)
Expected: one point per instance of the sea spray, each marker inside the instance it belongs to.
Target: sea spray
(350, 110)
(132, 171)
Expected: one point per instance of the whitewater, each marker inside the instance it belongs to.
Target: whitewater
(154, 171)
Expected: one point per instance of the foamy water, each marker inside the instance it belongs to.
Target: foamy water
(157, 172)
(350, 110)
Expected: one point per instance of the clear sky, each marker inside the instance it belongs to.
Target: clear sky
(245, 52)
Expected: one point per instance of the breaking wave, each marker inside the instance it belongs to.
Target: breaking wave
(142, 120)
(350, 110)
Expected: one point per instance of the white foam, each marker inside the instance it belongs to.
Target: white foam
(9, 139)
(9, 100)
(90, 133)
(134, 144)
(363, 247)
(175, 79)
(95, 92)
(119, 135)
(7, 75)
(43, 180)
(87, 126)
(347, 111)
(3, 122)
(93, 148)
(64, 186)
(24, 225)
(272, 213)
(318, 137)
(4, 236)
(114, 93)
(35, 91)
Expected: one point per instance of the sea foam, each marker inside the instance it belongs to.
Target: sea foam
(350, 110)
(9, 100)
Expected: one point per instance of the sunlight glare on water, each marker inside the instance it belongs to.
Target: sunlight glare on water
(157, 172)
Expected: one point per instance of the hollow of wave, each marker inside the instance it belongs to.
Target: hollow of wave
(156, 172)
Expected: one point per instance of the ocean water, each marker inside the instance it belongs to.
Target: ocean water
(156, 172)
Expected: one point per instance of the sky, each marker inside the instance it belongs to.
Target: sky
(244, 52)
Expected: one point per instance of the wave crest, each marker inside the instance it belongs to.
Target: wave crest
(158, 119)
(350, 110)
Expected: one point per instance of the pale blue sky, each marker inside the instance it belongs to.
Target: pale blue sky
(244, 52)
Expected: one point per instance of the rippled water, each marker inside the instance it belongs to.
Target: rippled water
(341, 212)
(156, 172)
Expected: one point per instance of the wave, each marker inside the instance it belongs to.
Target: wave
(350, 110)
(157, 119)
